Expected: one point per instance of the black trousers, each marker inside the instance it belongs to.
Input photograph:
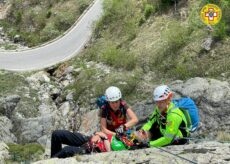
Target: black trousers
(74, 141)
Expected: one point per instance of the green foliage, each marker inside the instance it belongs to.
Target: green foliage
(83, 4)
(9, 82)
(222, 29)
(149, 9)
(49, 32)
(28, 152)
(118, 58)
(38, 22)
(174, 40)
(120, 17)
(127, 82)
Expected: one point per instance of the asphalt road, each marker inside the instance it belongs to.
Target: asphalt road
(57, 51)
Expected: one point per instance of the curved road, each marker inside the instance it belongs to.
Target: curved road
(58, 51)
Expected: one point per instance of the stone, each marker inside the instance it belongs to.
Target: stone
(8, 105)
(207, 43)
(17, 38)
(4, 153)
(69, 96)
(34, 128)
(65, 108)
(213, 100)
(205, 152)
(5, 130)
(90, 122)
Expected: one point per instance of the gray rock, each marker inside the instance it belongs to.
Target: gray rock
(8, 105)
(207, 43)
(1, 41)
(34, 128)
(213, 100)
(65, 108)
(17, 38)
(194, 87)
(4, 153)
(90, 122)
(69, 96)
(68, 70)
(143, 111)
(205, 152)
(5, 130)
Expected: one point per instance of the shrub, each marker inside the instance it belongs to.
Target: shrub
(28, 152)
(149, 9)
(118, 58)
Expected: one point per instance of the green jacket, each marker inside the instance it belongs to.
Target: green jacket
(171, 129)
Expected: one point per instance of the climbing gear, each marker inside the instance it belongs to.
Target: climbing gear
(120, 129)
(113, 94)
(161, 93)
(117, 144)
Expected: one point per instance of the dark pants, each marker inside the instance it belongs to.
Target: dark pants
(74, 140)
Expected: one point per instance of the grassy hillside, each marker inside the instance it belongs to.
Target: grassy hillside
(151, 41)
(40, 21)
(142, 43)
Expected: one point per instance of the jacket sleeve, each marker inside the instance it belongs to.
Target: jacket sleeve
(150, 122)
(172, 127)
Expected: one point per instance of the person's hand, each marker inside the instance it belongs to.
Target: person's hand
(101, 134)
(120, 129)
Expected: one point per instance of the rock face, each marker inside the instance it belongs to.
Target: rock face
(206, 152)
(55, 109)
(4, 154)
(8, 105)
(213, 100)
(5, 130)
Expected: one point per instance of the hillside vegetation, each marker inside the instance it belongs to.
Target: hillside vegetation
(40, 21)
(151, 42)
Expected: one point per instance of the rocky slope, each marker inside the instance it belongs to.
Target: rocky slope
(56, 108)
(205, 152)
(34, 104)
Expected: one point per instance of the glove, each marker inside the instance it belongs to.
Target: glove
(120, 129)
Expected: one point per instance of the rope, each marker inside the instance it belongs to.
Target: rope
(188, 160)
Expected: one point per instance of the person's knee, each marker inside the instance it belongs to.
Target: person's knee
(55, 133)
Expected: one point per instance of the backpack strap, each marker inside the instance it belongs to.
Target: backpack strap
(182, 126)
(123, 109)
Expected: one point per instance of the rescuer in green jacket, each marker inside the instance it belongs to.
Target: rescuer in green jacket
(167, 124)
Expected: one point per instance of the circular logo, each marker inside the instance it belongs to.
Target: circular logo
(211, 14)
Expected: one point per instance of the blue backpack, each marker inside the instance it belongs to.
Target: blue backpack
(190, 110)
(101, 101)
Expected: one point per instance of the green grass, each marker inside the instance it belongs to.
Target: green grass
(38, 22)
(14, 83)
(9, 82)
(25, 153)
(161, 42)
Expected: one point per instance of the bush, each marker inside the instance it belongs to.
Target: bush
(49, 32)
(28, 152)
(149, 9)
(118, 58)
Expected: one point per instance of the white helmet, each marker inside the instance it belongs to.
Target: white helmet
(113, 94)
(161, 93)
